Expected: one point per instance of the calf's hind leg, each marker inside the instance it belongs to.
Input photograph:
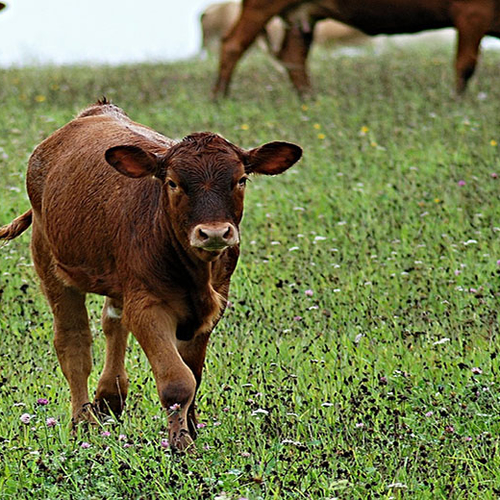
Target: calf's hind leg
(72, 338)
(112, 388)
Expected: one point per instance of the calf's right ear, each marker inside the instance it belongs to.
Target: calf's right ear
(272, 158)
(132, 161)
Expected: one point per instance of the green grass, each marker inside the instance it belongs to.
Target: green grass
(368, 385)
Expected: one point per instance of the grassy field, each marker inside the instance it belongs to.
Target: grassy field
(359, 358)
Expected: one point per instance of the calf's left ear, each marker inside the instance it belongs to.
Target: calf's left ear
(132, 161)
(272, 158)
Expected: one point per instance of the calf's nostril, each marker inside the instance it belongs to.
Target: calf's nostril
(202, 235)
(228, 233)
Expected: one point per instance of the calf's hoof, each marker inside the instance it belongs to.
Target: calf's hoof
(109, 405)
(87, 416)
(182, 442)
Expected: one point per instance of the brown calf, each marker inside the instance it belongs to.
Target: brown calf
(473, 19)
(152, 224)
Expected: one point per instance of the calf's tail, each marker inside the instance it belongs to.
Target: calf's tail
(17, 226)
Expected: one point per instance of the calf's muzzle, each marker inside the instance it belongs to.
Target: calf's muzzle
(214, 236)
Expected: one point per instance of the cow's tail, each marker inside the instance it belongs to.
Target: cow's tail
(17, 226)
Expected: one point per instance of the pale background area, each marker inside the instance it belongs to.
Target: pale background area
(117, 31)
(99, 31)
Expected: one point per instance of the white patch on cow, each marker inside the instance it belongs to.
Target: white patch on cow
(114, 312)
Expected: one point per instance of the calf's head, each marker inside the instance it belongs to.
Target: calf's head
(204, 178)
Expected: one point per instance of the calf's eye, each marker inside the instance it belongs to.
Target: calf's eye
(171, 184)
(242, 182)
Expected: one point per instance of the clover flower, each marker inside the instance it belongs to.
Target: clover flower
(25, 418)
(51, 422)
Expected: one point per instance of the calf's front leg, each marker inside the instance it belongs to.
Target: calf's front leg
(154, 328)
(193, 353)
(113, 385)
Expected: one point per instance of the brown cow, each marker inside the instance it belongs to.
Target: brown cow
(218, 18)
(122, 211)
(472, 18)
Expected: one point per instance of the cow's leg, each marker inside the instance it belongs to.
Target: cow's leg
(112, 388)
(154, 328)
(472, 21)
(293, 55)
(193, 353)
(254, 16)
(72, 338)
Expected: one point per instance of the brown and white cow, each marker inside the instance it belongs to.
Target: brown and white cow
(152, 224)
(216, 21)
(472, 19)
